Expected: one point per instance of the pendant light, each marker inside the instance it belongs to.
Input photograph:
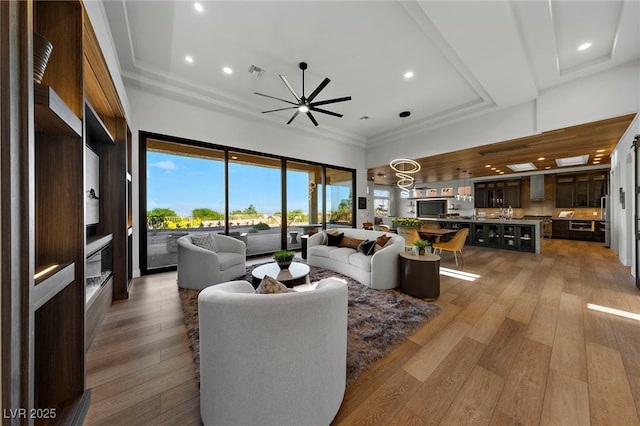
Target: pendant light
(405, 168)
(459, 196)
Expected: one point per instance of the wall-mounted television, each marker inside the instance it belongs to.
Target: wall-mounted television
(432, 208)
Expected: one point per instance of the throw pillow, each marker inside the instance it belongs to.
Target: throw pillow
(330, 231)
(350, 242)
(270, 285)
(381, 241)
(334, 240)
(367, 247)
(204, 241)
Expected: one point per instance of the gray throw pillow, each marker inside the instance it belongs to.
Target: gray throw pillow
(204, 241)
(367, 247)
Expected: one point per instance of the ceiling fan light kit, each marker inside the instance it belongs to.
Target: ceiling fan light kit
(303, 103)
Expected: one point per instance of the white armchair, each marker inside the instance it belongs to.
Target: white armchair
(199, 268)
(272, 359)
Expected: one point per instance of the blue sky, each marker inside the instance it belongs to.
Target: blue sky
(184, 183)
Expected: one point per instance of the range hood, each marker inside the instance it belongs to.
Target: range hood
(536, 187)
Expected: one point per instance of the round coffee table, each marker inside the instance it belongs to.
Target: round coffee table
(298, 273)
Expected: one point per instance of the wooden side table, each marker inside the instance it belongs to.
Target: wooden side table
(304, 241)
(420, 275)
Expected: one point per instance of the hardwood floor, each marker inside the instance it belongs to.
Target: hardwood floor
(517, 342)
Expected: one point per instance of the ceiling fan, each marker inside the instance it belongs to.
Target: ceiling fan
(305, 104)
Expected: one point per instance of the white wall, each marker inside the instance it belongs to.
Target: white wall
(622, 173)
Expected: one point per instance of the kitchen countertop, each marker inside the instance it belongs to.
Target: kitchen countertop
(496, 220)
(596, 218)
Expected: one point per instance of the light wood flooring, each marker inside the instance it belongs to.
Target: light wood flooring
(520, 344)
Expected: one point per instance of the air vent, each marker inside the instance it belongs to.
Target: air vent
(504, 149)
(254, 69)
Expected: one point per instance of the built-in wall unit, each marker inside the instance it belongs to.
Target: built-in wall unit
(71, 182)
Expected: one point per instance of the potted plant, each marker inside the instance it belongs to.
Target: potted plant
(422, 246)
(283, 258)
(406, 222)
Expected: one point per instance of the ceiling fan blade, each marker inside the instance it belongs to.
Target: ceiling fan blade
(273, 97)
(294, 116)
(293, 92)
(279, 109)
(318, 89)
(324, 111)
(331, 101)
(313, 120)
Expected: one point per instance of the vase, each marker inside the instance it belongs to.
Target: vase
(284, 264)
(41, 51)
(421, 252)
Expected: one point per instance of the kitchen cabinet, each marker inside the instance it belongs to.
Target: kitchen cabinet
(560, 229)
(598, 234)
(506, 235)
(497, 194)
(580, 190)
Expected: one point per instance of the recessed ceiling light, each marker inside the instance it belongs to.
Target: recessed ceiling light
(488, 165)
(596, 162)
(227, 70)
(493, 168)
(233, 157)
(408, 74)
(548, 167)
(189, 59)
(540, 158)
(198, 7)
(572, 161)
(601, 150)
(599, 155)
(501, 173)
(584, 46)
(522, 167)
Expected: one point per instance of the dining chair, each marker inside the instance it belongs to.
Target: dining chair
(410, 236)
(455, 244)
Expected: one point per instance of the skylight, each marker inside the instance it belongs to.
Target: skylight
(572, 161)
(522, 167)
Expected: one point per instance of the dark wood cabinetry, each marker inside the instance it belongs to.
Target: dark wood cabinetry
(44, 338)
(560, 229)
(497, 194)
(580, 190)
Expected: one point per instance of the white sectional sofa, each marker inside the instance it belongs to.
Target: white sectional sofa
(378, 271)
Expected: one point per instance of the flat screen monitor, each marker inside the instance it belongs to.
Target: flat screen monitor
(432, 208)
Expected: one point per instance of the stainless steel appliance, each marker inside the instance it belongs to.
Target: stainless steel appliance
(581, 225)
(605, 216)
(546, 224)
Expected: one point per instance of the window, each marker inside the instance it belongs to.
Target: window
(189, 186)
(381, 202)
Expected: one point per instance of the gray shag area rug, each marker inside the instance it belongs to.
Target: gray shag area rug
(378, 321)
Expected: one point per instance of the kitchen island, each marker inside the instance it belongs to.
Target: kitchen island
(507, 234)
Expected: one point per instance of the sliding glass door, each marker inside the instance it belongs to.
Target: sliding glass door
(185, 194)
(255, 201)
(339, 196)
(269, 202)
(304, 203)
